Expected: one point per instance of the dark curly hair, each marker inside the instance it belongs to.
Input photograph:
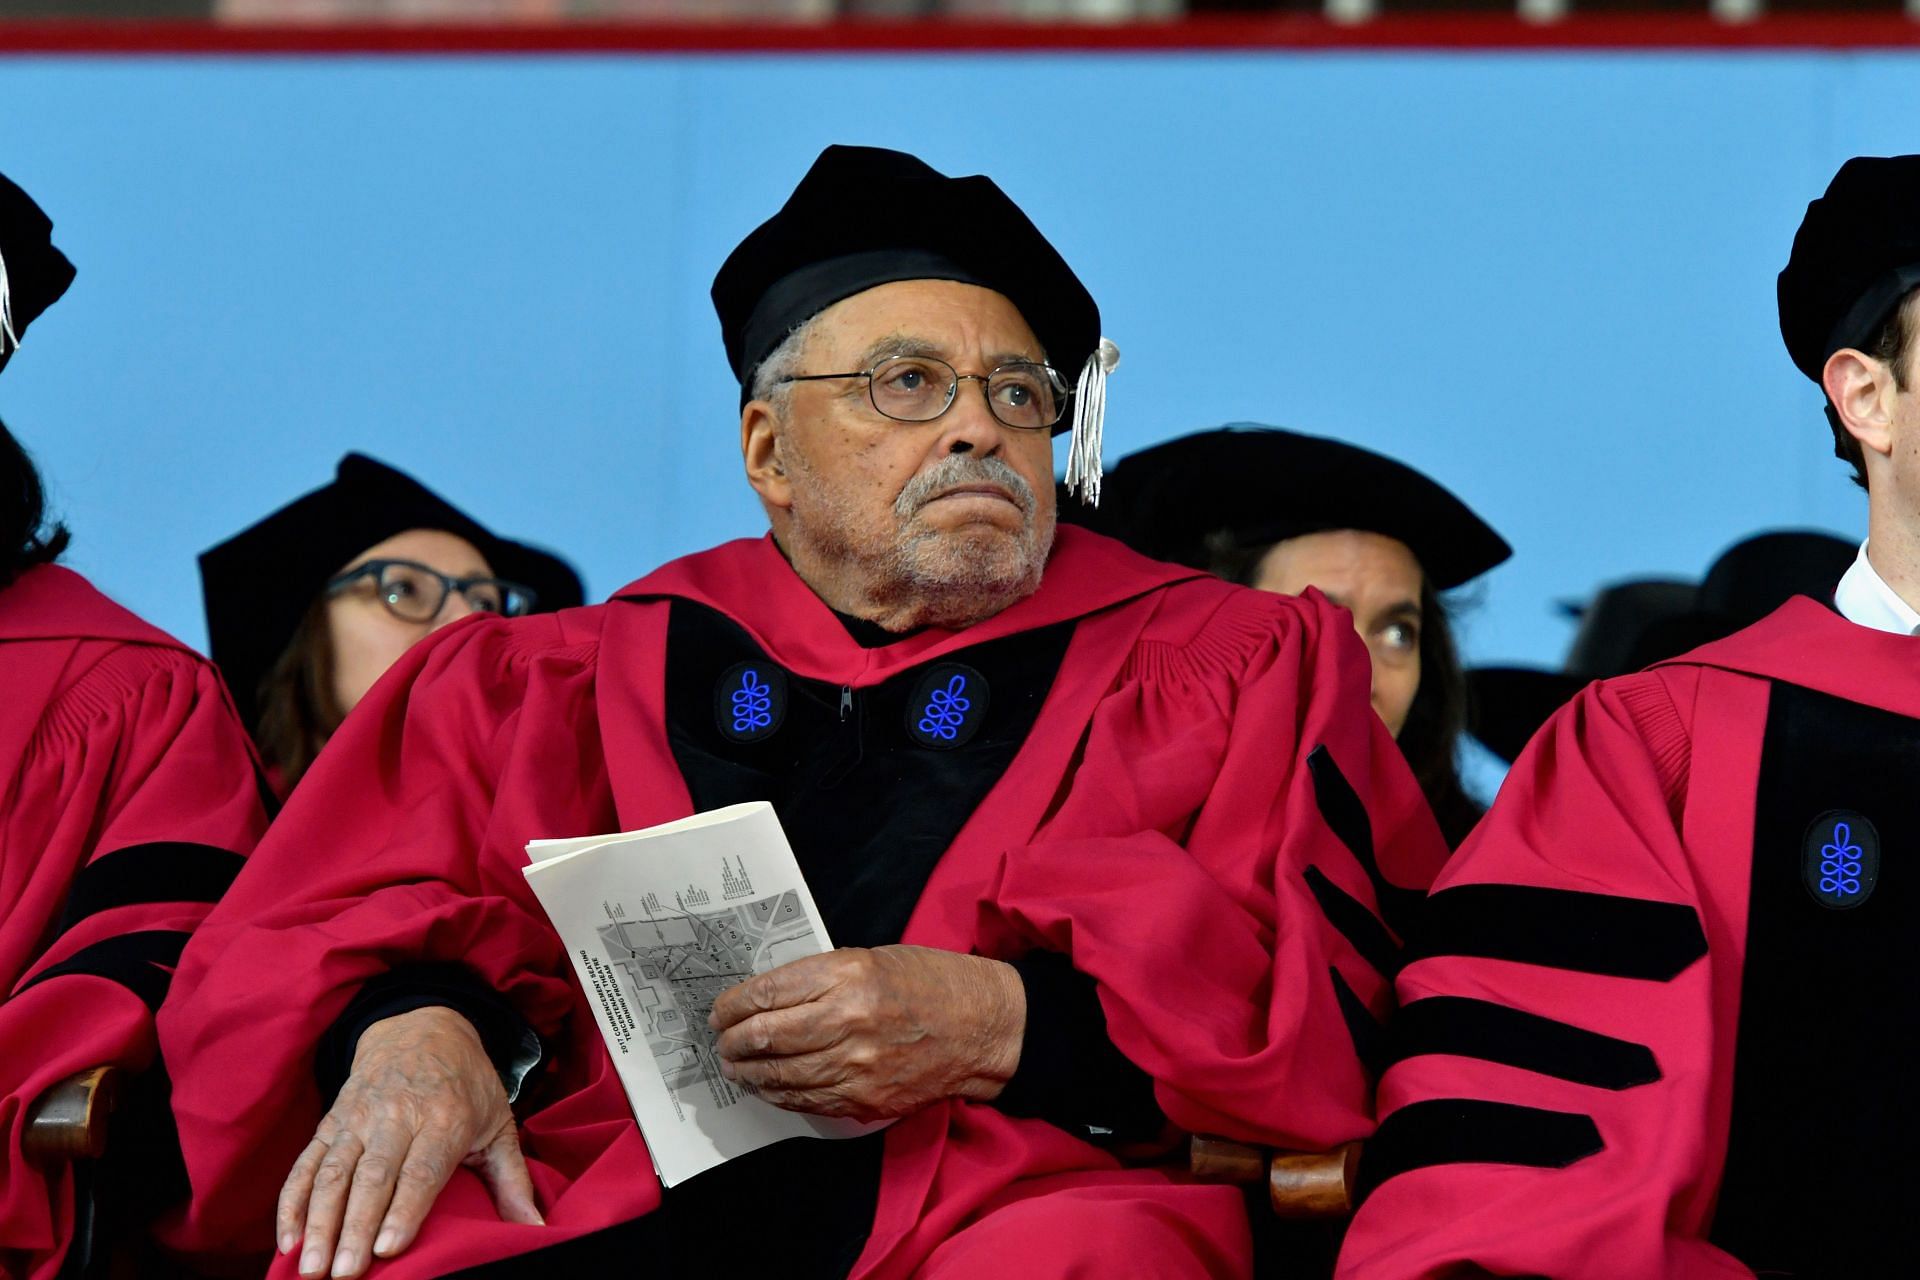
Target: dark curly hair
(26, 537)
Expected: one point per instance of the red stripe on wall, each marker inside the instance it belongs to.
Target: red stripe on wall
(1217, 34)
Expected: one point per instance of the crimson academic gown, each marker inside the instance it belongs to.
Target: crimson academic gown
(129, 799)
(1195, 774)
(1662, 1009)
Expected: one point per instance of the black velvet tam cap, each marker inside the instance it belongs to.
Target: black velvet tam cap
(259, 583)
(33, 274)
(1261, 485)
(864, 217)
(1623, 628)
(1857, 253)
(1632, 625)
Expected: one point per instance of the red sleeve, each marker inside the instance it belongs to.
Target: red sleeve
(386, 855)
(1219, 867)
(1549, 1110)
(142, 775)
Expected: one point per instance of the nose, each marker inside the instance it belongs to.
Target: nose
(970, 426)
(455, 608)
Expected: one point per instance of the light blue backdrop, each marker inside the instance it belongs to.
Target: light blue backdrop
(1547, 279)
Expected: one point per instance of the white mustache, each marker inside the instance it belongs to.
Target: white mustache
(962, 469)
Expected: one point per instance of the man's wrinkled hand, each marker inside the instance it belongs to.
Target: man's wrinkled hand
(422, 1099)
(872, 1034)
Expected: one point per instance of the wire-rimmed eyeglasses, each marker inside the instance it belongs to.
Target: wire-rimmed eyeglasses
(1025, 394)
(415, 593)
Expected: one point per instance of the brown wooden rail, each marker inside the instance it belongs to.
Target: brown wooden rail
(69, 1121)
(1300, 1184)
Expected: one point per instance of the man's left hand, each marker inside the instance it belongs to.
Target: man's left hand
(873, 1034)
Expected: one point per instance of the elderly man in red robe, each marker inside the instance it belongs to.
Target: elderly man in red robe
(128, 800)
(1140, 883)
(1659, 1010)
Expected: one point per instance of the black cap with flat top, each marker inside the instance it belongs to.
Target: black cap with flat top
(1262, 485)
(864, 217)
(33, 274)
(1632, 625)
(1855, 256)
(260, 583)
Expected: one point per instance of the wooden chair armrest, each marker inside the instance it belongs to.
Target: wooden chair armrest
(1300, 1184)
(1220, 1160)
(69, 1121)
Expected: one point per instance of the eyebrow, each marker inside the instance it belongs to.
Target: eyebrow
(901, 344)
(1400, 609)
(897, 344)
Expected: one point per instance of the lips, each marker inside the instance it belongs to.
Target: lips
(977, 491)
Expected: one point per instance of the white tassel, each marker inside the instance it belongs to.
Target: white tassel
(1089, 423)
(9, 340)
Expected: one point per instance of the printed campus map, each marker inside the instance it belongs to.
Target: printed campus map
(674, 965)
(657, 924)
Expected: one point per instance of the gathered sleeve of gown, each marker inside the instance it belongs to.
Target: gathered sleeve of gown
(387, 857)
(1227, 864)
(1550, 1107)
(135, 803)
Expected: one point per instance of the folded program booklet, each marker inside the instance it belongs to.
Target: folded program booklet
(658, 923)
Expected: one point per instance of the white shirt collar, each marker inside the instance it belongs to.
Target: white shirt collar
(1863, 596)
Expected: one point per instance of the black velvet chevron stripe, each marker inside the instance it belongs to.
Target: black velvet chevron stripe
(134, 960)
(1369, 1037)
(1360, 926)
(1561, 929)
(1473, 1131)
(1347, 818)
(163, 871)
(1469, 1028)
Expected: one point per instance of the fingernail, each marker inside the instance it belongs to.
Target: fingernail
(384, 1241)
(311, 1262)
(345, 1262)
(727, 1069)
(288, 1239)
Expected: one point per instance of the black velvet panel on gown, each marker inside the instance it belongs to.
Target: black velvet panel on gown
(1819, 1178)
(871, 785)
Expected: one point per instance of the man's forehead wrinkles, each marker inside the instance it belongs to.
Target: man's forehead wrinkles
(904, 344)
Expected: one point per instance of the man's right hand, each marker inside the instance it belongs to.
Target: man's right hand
(422, 1098)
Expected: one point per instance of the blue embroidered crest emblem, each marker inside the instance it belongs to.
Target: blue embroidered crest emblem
(947, 707)
(750, 702)
(1840, 859)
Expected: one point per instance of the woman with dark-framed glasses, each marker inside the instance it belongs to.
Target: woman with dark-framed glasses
(307, 609)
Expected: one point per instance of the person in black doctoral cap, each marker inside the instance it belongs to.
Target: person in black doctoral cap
(1631, 625)
(1508, 704)
(127, 803)
(1282, 511)
(1057, 805)
(308, 608)
(1671, 975)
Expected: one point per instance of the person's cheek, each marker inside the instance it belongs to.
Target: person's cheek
(1380, 675)
(368, 650)
(1396, 679)
(1406, 686)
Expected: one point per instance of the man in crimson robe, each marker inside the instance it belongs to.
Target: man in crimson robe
(1128, 880)
(1655, 1019)
(128, 799)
